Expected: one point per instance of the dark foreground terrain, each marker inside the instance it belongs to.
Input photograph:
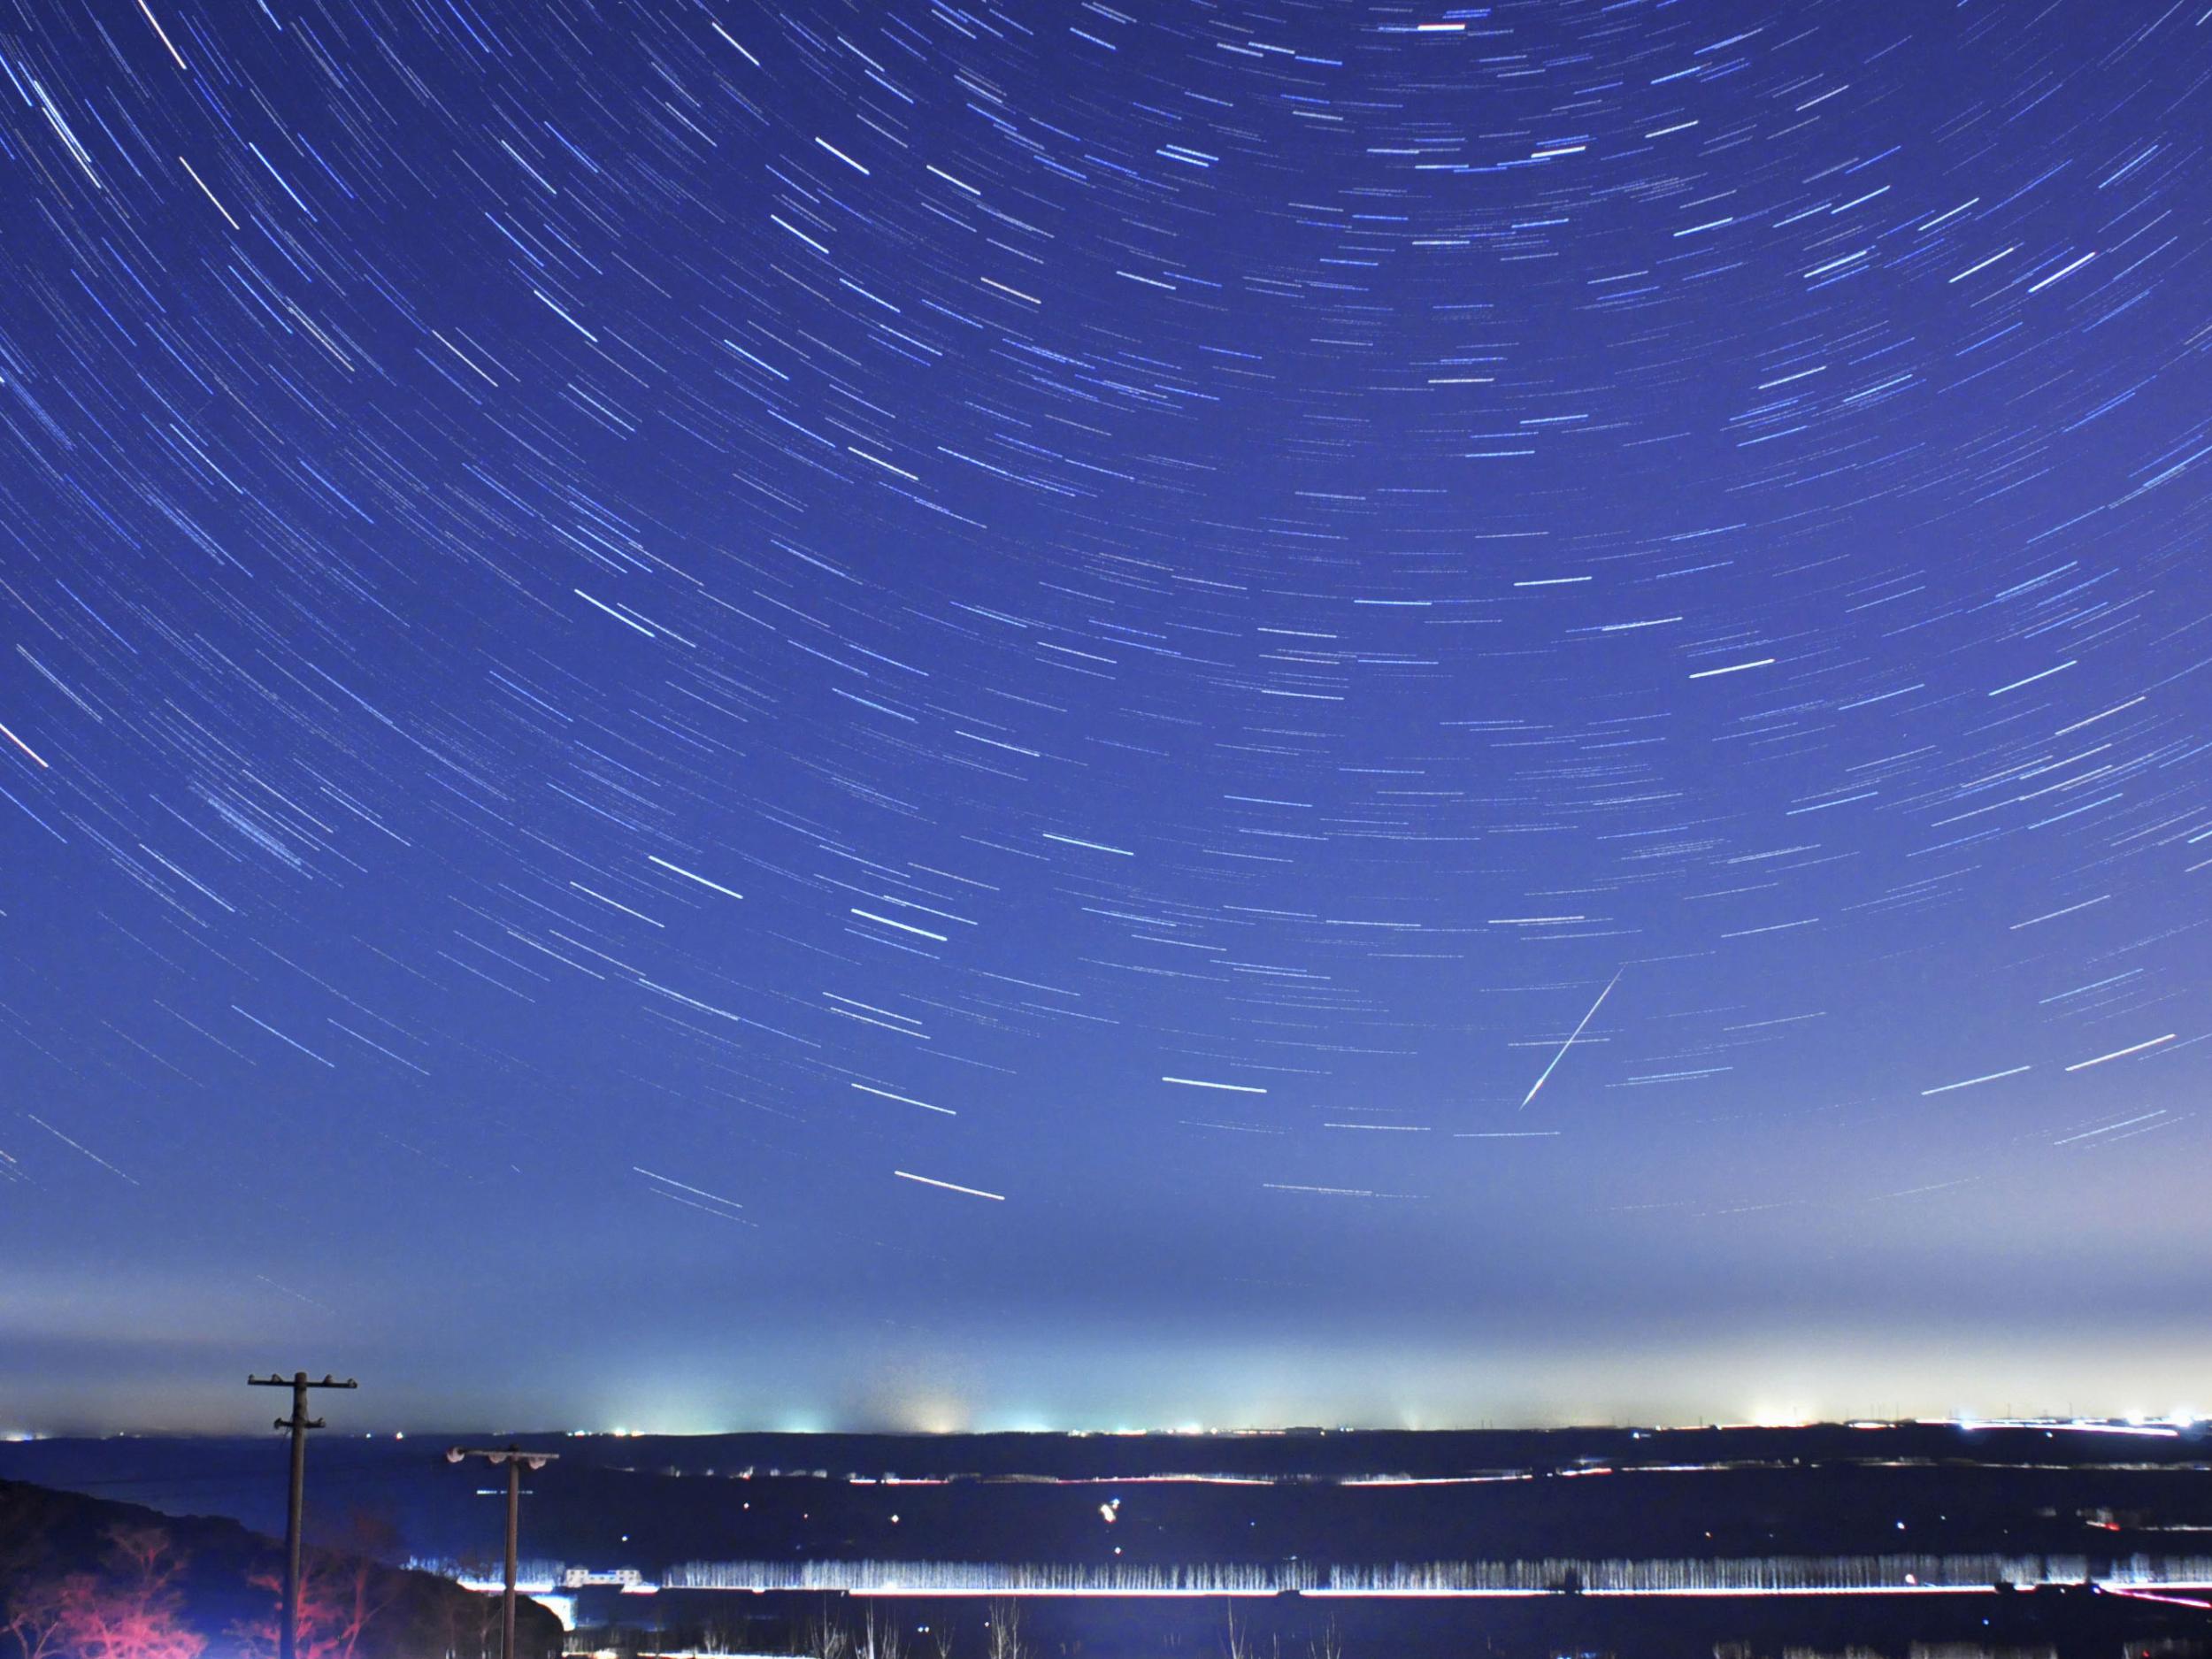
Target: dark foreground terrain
(1892, 1539)
(86, 1578)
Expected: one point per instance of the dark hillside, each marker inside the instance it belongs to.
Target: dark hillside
(73, 1569)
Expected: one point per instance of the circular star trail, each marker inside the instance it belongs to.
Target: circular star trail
(931, 713)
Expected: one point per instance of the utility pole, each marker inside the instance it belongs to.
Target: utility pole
(299, 1422)
(514, 1457)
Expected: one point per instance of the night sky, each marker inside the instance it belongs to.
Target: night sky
(913, 714)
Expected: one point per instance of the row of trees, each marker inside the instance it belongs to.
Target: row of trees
(1748, 1574)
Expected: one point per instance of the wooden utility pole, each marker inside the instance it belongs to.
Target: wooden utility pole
(514, 1457)
(299, 1422)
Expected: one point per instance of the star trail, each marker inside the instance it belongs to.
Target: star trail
(729, 716)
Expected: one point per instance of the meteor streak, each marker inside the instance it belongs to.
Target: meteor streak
(1569, 1043)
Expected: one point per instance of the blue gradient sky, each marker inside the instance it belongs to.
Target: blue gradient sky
(721, 717)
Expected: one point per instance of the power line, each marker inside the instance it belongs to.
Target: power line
(514, 1457)
(299, 1422)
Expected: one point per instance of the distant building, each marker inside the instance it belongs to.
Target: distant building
(628, 1579)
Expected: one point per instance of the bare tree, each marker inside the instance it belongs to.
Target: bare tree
(718, 1638)
(1239, 1641)
(1004, 1632)
(466, 1627)
(341, 1597)
(35, 1619)
(881, 1637)
(826, 1637)
(132, 1610)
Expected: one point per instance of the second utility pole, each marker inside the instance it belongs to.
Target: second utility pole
(514, 1457)
(299, 1422)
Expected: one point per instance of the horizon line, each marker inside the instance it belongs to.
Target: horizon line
(2174, 1424)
